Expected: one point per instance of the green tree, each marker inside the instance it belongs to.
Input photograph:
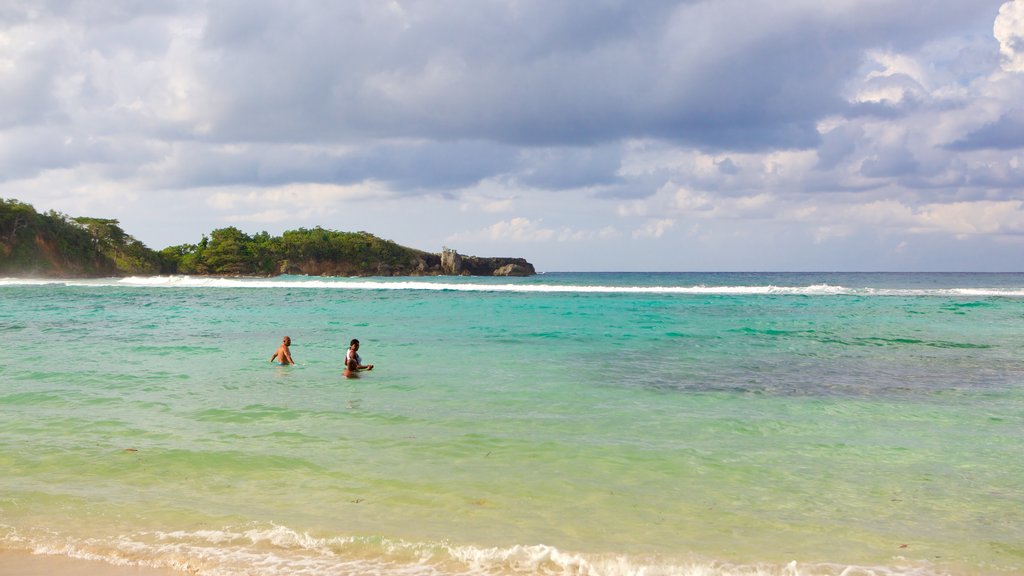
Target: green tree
(229, 253)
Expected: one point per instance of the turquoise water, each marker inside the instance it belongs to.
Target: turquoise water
(558, 424)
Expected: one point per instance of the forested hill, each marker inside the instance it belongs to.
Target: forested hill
(57, 245)
(54, 244)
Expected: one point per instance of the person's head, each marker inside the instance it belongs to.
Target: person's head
(287, 341)
(354, 344)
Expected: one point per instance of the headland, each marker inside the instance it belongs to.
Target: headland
(52, 244)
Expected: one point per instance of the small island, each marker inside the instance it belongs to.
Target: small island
(52, 244)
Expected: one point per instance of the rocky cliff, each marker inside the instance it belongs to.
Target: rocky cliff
(447, 263)
(454, 264)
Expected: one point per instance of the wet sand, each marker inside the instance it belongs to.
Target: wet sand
(28, 564)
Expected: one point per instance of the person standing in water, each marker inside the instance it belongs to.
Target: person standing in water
(353, 363)
(283, 355)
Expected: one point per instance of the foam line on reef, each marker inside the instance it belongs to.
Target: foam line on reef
(511, 287)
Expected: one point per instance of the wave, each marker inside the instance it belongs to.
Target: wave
(294, 282)
(273, 550)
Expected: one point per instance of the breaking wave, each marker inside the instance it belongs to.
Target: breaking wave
(272, 550)
(485, 285)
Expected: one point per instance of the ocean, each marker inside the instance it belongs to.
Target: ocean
(565, 423)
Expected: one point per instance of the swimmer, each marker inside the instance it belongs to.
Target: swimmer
(353, 363)
(283, 355)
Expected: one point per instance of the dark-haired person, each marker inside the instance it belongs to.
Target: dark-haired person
(353, 363)
(283, 355)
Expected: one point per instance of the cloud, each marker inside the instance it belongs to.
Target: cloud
(1007, 133)
(654, 228)
(960, 219)
(728, 167)
(471, 201)
(519, 230)
(533, 73)
(1009, 31)
(971, 218)
(889, 163)
(296, 201)
(566, 168)
(846, 120)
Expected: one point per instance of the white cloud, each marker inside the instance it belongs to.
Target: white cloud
(706, 205)
(1009, 31)
(266, 216)
(896, 78)
(633, 208)
(961, 219)
(488, 197)
(290, 202)
(497, 205)
(521, 230)
(823, 234)
(606, 233)
(690, 201)
(654, 228)
(968, 218)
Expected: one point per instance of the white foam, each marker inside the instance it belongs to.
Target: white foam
(273, 550)
(292, 282)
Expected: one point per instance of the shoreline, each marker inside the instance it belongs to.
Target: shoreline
(26, 563)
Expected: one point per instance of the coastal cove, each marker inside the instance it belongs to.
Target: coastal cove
(603, 423)
(507, 288)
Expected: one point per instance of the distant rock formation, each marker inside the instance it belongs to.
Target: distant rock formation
(451, 262)
(454, 264)
(478, 266)
(516, 269)
(447, 263)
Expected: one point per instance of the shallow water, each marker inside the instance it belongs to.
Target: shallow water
(563, 423)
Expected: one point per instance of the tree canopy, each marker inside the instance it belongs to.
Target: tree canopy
(229, 251)
(56, 244)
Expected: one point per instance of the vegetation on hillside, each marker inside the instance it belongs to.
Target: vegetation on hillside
(229, 251)
(54, 244)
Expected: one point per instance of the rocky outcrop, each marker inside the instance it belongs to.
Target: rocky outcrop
(477, 266)
(451, 262)
(515, 269)
(447, 263)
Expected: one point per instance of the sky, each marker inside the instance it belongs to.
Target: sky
(582, 135)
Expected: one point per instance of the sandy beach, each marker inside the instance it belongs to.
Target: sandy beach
(28, 564)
